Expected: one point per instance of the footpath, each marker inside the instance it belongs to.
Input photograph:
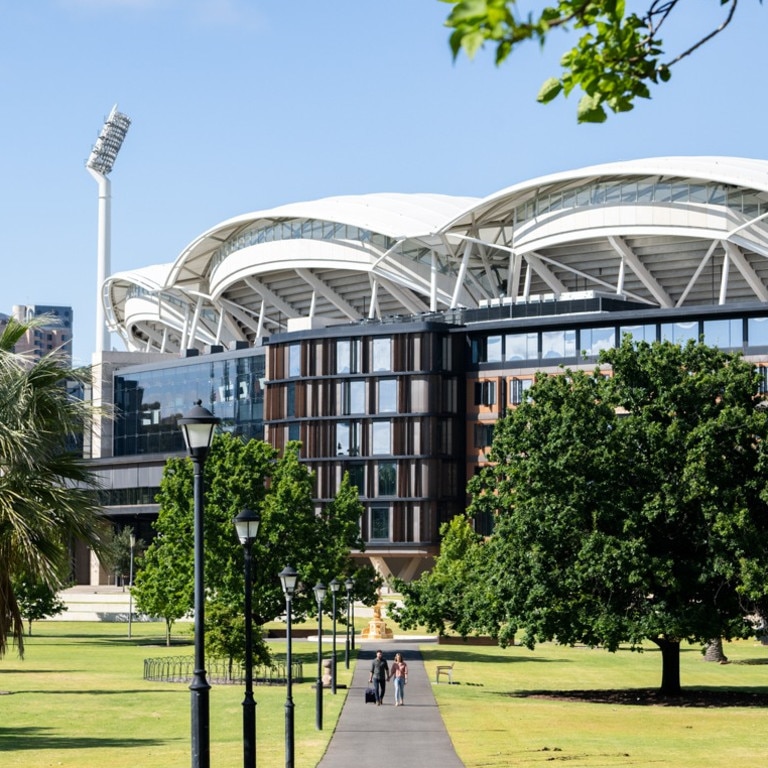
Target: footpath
(411, 736)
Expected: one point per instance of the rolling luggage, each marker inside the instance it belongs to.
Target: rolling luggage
(370, 696)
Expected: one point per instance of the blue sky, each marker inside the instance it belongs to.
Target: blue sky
(239, 105)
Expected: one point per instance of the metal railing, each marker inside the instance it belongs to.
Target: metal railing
(180, 669)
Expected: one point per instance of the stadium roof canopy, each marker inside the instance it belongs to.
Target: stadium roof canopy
(667, 232)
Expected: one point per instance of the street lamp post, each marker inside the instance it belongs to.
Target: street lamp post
(130, 587)
(288, 578)
(352, 625)
(247, 526)
(335, 585)
(319, 590)
(348, 584)
(198, 426)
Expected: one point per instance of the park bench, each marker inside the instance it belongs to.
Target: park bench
(444, 669)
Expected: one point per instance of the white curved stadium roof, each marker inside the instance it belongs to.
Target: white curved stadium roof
(668, 232)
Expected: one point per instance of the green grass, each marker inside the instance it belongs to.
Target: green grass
(494, 720)
(78, 699)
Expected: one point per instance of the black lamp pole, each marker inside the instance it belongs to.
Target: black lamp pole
(352, 625)
(319, 590)
(348, 584)
(132, 541)
(198, 426)
(288, 578)
(247, 526)
(335, 586)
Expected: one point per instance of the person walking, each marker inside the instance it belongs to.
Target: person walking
(379, 676)
(400, 674)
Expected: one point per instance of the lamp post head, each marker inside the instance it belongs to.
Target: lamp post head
(247, 525)
(349, 584)
(335, 585)
(289, 578)
(319, 590)
(132, 540)
(198, 426)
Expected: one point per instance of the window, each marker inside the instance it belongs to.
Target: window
(381, 438)
(639, 332)
(493, 349)
(387, 395)
(517, 390)
(483, 435)
(294, 360)
(382, 354)
(757, 331)
(353, 396)
(522, 346)
(348, 438)
(594, 340)
(387, 478)
(680, 333)
(558, 344)
(294, 431)
(762, 371)
(357, 476)
(290, 399)
(724, 333)
(348, 356)
(485, 393)
(379, 523)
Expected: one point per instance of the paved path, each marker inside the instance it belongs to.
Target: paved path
(411, 736)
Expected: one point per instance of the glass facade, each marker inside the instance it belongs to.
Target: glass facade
(149, 401)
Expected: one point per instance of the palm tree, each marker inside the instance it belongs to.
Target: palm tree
(47, 493)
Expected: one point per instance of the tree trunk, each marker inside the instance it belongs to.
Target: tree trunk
(670, 666)
(715, 651)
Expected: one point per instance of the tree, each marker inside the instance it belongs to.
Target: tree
(617, 58)
(47, 492)
(36, 599)
(238, 474)
(118, 556)
(442, 598)
(630, 507)
(164, 583)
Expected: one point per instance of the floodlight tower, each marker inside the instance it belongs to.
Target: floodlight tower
(99, 165)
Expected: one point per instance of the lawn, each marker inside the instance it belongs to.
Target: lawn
(79, 700)
(498, 717)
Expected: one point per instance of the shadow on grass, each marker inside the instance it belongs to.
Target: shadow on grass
(105, 692)
(36, 738)
(703, 696)
(488, 658)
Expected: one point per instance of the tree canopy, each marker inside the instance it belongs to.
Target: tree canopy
(617, 59)
(47, 492)
(292, 532)
(630, 505)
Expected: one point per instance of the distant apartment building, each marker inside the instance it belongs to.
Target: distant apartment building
(54, 336)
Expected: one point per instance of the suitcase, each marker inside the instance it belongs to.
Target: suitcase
(370, 695)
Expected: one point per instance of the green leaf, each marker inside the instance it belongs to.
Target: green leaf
(472, 42)
(590, 109)
(549, 90)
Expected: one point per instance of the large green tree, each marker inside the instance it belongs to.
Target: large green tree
(442, 598)
(631, 507)
(618, 57)
(47, 492)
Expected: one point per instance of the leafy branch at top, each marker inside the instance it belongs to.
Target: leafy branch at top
(616, 59)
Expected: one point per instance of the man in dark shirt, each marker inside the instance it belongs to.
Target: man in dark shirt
(379, 674)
